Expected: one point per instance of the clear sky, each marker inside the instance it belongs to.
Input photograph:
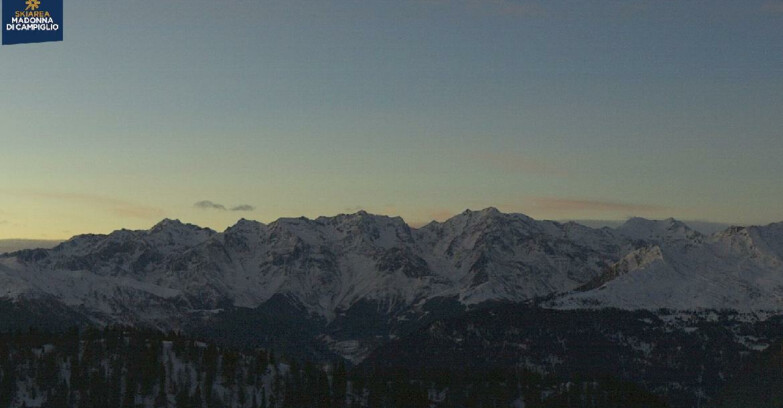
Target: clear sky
(417, 108)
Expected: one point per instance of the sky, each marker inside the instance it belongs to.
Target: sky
(211, 111)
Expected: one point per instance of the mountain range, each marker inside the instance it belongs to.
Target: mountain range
(653, 303)
(361, 279)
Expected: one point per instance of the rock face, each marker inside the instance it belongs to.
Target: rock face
(361, 276)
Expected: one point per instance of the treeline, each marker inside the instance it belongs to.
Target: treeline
(129, 368)
(132, 368)
(758, 385)
(391, 387)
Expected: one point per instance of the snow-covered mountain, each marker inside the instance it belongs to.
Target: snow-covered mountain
(675, 267)
(488, 255)
(326, 264)
(373, 267)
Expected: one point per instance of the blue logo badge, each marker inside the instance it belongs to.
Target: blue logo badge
(32, 21)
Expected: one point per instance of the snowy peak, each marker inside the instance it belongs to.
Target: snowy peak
(486, 212)
(167, 231)
(245, 226)
(246, 236)
(493, 255)
(758, 242)
(330, 264)
(363, 222)
(360, 229)
(659, 231)
(740, 268)
(168, 223)
(736, 239)
(369, 230)
(487, 216)
(474, 230)
(173, 233)
(124, 252)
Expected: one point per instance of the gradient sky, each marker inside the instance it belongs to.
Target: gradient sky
(417, 108)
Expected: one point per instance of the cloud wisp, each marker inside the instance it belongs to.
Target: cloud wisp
(210, 205)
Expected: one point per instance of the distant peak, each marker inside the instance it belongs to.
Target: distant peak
(167, 223)
(244, 224)
(486, 211)
(489, 214)
(673, 222)
(644, 221)
(170, 220)
(734, 229)
(361, 214)
(642, 228)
